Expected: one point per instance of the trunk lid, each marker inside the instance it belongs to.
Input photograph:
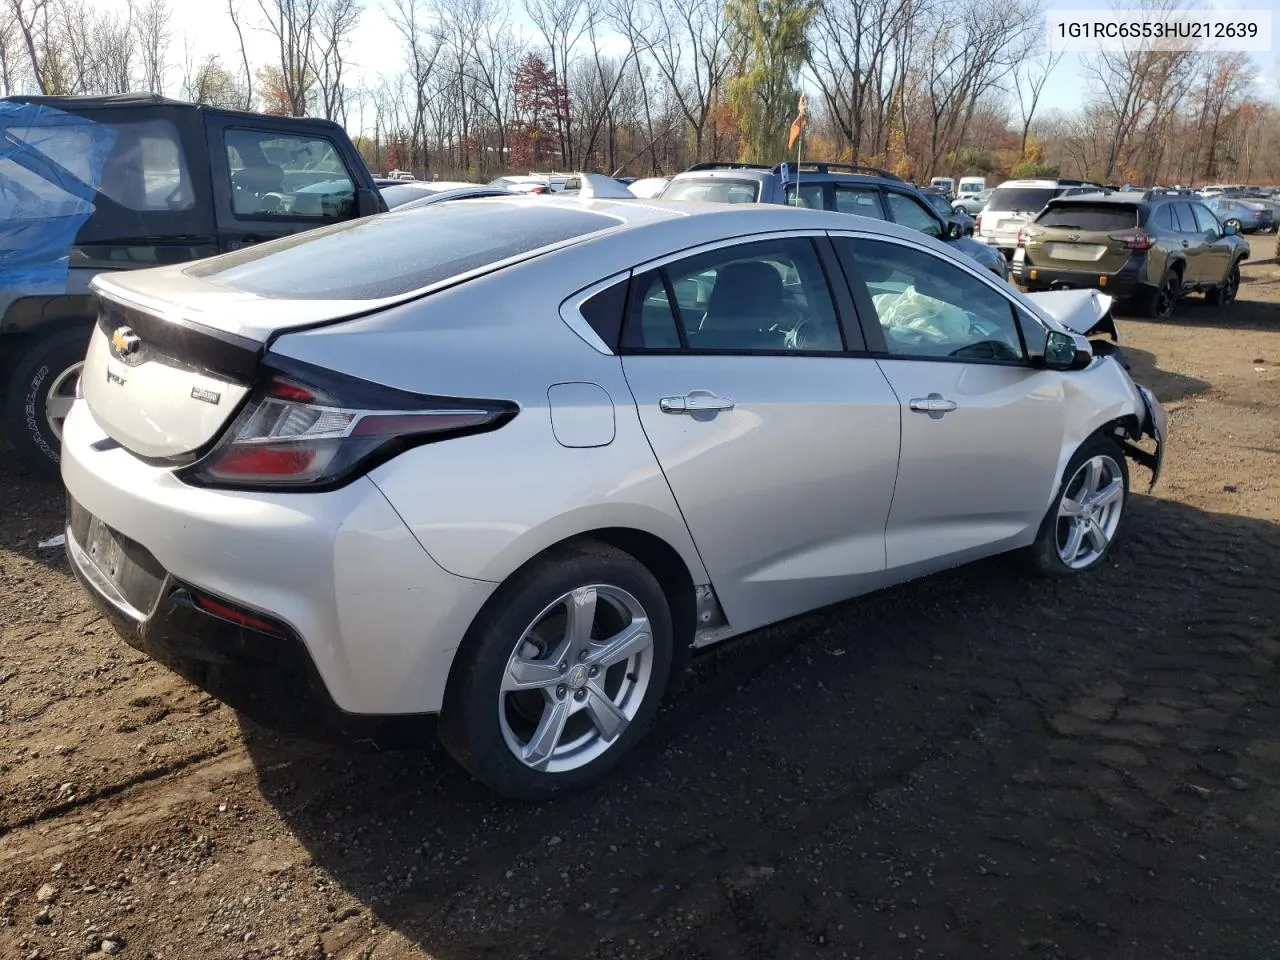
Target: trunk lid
(173, 357)
(1082, 237)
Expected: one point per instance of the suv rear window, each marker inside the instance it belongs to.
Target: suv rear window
(1090, 216)
(713, 190)
(1020, 199)
(396, 253)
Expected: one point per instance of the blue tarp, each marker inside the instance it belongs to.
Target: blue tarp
(50, 166)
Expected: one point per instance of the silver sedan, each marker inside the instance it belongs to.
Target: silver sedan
(510, 461)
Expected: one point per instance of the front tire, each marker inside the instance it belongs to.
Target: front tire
(40, 393)
(1087, 515)
(559, 677)
(1225, 294)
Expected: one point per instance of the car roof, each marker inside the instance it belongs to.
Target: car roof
(133, 101)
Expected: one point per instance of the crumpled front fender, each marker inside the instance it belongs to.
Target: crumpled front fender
(1155, 424)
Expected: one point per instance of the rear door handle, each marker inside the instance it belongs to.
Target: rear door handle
(935, 405)
(694, 403)
(1186, 243)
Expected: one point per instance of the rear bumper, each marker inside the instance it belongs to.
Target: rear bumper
(1128, 281)
(368, 620)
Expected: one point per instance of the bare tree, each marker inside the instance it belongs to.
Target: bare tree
(423, 47)
(10, 41)
(33, 23)
(860, 53)
(335, 22)
(293, 23)
(244, 55)
(212, 83)
(152, 25)
(562, 23)
(1028, 85)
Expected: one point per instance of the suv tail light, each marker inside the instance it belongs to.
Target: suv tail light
(1133, 241)
(1026, 235)
(977, 222)
(310, 428)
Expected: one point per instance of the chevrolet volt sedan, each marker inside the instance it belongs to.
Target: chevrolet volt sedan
(512, 469)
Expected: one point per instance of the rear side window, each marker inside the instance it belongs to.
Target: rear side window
(396, 253)
(1020, 199)
(1089, 216)
(1185, 219)
(713, 190)
(145, 170)
(864, 201)
(1163, 219)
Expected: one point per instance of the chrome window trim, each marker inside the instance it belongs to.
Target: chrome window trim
(571, 312)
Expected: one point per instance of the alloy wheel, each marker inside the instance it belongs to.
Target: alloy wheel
(576, 678)
(1232, 286)
(61, 395)
(1089, 512)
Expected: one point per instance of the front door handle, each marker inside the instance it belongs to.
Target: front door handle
(1186, 243)
(695, 403)
(935, 405)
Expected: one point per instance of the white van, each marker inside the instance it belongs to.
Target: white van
(1015, 203)
(972, 185)
(946, 183)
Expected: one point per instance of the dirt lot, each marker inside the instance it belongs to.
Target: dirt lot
(973, 766)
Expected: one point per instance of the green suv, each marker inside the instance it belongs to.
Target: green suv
(1150, 247)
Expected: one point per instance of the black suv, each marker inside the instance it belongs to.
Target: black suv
(1151, 247)
(89, 184)
(842, 187)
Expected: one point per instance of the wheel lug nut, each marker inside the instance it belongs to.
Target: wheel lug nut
(582, 655)
(593, 671)
(580, 695)
(560, 692)
(563, 666)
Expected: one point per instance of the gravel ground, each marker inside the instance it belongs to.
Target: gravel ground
(976, 765)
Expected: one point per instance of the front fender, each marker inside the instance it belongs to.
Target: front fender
(1100, 398)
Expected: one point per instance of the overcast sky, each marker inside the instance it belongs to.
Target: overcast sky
(203, 25)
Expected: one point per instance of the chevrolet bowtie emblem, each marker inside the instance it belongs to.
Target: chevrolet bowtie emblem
(124, 342)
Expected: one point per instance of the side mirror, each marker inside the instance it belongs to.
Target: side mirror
(1229, 230)
(1062, 353)
(369, 202)
(954, 231)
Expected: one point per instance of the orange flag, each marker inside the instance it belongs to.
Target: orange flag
(797, 125)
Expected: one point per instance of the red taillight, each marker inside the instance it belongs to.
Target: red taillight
(1134, 241)
(539, 190)
(236, 615)
(977, 222)
(316, 429)
(1022, 238)
(284, 390)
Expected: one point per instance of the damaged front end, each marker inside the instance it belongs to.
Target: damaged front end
(1154, 425)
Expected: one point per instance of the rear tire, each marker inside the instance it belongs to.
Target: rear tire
(535, 709)
(1087, 515)
(1162, 301)
(40, 392)
(1225, 294)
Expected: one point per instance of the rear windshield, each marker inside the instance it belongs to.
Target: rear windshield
(1089, 216)
(396, 253)
(713, 190)
(1020, 199)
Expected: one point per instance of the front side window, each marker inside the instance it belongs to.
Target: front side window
(287, 176)
(929, 308)
(1205, 220)
(764, 297)
(911, 213)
